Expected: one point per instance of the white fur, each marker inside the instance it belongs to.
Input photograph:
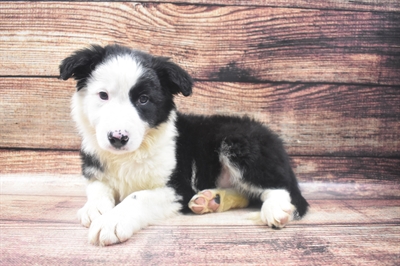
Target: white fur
(137, 211)
(143, 166)
(149, 167)
(100, 200)
(97, 117)
(276, 210)
(193, 179)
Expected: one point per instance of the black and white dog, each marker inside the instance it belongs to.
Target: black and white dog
(145, 161)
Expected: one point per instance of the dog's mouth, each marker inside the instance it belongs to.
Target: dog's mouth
(114, 150)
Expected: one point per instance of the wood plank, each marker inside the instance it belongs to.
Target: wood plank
(342, 204)
(235, 43)
(40, 107)
(38, 212)
(361, 5)
(336, 231)
(312, 119)
(40, 161)
(59, 244)
(307, 169)
(366, 5)
(333, 212)
(346, 170)
(73, 187)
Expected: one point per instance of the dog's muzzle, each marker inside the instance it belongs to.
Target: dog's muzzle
(118, 139)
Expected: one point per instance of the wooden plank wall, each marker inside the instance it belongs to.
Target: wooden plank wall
(324, 74)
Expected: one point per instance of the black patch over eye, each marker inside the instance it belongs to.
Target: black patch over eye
(143, 99)
(103, 95)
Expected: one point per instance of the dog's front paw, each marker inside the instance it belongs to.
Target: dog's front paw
(110, 229)
(116, 226)
(277, 210)
(94, 209)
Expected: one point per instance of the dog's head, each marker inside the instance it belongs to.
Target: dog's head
(122, 93)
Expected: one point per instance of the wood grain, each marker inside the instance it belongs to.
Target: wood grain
(316, 169)
(36, 114)
(41, 228)
(34, 243)
(323, 211)
(376, 5)
(311, 119)
(327, 212)
(234, 43)
(40, 161)
(346, 169)
(73, 185)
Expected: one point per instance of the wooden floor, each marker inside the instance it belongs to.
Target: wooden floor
(349, 224)
(323, 74)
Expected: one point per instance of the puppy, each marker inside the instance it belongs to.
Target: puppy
(145, 161)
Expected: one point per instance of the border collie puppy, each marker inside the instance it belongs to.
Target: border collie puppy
(145, 161)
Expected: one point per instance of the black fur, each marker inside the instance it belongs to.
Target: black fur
(90, 165)
(253, 148)
(81, 64)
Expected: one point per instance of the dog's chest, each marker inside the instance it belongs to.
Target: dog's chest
(127, 174)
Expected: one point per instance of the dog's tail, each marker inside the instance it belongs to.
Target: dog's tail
(297, 199)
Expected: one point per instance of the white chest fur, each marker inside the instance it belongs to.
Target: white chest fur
(148, 167)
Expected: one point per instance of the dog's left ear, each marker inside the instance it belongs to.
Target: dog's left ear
(172, 76)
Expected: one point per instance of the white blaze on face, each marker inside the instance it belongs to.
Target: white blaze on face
(115, 77)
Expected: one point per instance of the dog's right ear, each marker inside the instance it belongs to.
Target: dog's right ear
(81, 63)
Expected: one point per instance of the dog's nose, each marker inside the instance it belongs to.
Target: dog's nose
(118, 139)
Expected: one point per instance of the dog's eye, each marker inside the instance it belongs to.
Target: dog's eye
(103, 95)
(143, 99)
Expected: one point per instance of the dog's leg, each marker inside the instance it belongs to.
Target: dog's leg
(135, 212)
(217, 200)
(100, 199)
(277, 209)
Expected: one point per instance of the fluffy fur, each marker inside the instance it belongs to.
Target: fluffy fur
(145, 161)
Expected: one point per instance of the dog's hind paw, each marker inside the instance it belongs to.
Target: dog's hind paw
(276, 211)
(205, 201)
(217, 200)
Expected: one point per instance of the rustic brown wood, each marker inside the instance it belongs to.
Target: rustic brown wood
(350, 211)
(308, 169)
(38, 226)
(368, 5)
(213, 42)
(376, 5)
(311, 119)
(40, 161)
(73, 185)
(65, 244)
(36, 113)
(346, 169)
